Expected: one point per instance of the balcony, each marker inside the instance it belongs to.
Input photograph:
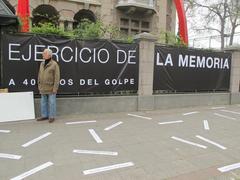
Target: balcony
(137, 6)
(94, 2)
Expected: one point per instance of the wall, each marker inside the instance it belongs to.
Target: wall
(106, 11)
(145, 100)
(88, 105)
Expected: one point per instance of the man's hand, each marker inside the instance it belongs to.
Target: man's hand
(54, 92)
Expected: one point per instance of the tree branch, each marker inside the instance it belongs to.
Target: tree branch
(212, 29)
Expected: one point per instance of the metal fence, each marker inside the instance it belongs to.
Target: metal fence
(212, 42)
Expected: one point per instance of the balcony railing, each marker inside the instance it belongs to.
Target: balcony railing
(95, 2)
(137, 5)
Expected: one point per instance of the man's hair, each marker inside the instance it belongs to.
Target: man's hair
(49, 52)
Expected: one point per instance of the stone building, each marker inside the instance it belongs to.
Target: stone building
(130, 16)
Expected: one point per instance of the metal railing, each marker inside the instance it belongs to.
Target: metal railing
(140, 2)
(213, 42)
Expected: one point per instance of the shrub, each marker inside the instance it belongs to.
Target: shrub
(170, 38)
(47, 28)
(89, 30)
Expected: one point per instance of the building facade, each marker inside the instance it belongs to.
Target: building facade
(130, 16)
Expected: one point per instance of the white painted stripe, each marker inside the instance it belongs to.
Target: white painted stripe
(233, 112)
(218, 107)
(134, 115)
(113, 126)
(9, 156)
(194, 112)
(211, 142)
(5, 131)
(95, 136)
(32, 171)
(36, 139)
(206, 125)
(189, 142)
(229, 167)
(170, 122)
(107, 168)
(227, 117)
(80, 122)
(95, 152)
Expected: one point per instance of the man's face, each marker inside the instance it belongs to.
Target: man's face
(45, 54)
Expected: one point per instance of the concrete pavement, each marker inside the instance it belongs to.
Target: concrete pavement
(148, 148)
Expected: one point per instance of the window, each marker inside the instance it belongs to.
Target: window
(133, 26)
(145, 25)
(124, 22)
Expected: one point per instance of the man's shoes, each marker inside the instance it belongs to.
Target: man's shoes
(51, 120)
(42, 118)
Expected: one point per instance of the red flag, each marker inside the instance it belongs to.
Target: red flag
(23, 12)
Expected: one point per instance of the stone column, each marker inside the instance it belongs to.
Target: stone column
(61, 25)
(146, 67)
(235, 74)
(70, 25)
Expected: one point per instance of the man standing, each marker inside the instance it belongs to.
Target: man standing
(48, 82)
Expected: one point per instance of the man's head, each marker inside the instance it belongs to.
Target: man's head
(47, 54)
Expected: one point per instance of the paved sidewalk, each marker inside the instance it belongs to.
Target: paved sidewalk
(189, 143)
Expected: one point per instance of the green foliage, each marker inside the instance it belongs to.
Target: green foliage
(113, 33)
(47, 28)
(89, 30)
(45, 18)
(170, 38)
(85, 30)
(129, 39)
(125, 38)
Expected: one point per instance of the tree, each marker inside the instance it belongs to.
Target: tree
(235, 18)
(221, 16)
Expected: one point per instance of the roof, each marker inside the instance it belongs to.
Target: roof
(6, 15)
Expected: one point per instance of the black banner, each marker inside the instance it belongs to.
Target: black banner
(85, 66)
(182, 70)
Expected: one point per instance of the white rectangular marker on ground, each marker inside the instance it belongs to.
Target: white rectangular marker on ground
(170, 122)
(107, 168)
(211, 142)
(189, 113)
(5, 131)
(206, 125)
(10, 156)
(113, 126)
(233, 112)
(80, 122)
(109, 153)
(95, 136)
(21, 102)
(143, 117)
(36, 139)
(218, 107)
(32, 171)
(229, 167)
(227, 117)
(188, 142)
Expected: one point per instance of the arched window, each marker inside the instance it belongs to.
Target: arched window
(45, 13)
(83, 14)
